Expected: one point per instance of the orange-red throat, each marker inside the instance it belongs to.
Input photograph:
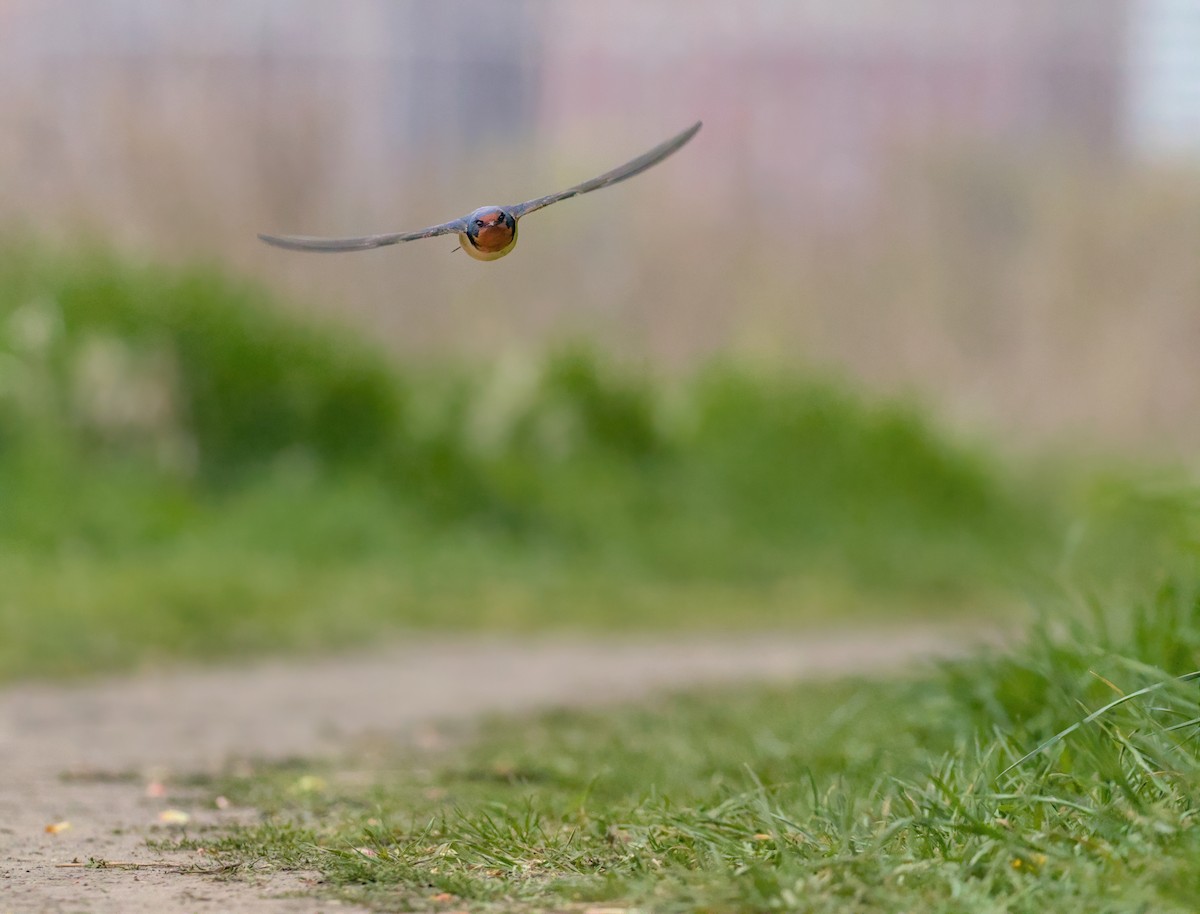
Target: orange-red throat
(491, 233)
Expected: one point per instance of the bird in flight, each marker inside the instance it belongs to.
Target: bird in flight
(489, 232)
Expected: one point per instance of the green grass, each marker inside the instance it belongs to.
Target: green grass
(955, 791)
(186, 471)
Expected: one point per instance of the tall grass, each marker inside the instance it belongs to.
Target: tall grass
(1062, 773)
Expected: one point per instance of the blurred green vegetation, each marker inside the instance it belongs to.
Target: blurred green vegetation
(186, 470)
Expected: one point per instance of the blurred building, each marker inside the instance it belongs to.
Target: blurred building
(398, 75)
(838, 84)
(1163, 110)
(842, 86)
(803, 100)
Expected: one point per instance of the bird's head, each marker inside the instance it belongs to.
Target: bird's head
(489, 217)
(491, 229)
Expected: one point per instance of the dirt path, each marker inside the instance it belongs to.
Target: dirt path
(85, 754)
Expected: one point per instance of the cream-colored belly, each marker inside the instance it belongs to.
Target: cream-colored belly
(484, 255)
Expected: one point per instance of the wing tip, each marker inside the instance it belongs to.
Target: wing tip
(684, 137)
(277, 241)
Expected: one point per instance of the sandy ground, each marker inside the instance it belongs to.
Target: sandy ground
(85, 753)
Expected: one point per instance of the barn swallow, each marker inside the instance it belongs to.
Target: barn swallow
(489, 232)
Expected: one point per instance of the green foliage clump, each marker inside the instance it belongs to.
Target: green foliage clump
(130, 358)
(170, 435)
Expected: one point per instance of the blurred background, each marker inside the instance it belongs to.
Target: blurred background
(916, 240)
(993, 203)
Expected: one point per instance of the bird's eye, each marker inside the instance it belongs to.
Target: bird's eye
(479, 223)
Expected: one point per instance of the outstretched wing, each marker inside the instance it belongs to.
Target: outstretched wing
(628, 170)
(365, 243)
